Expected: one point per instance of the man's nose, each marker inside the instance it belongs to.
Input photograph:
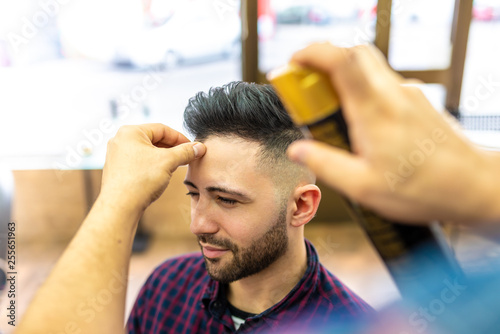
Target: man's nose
(202, 218)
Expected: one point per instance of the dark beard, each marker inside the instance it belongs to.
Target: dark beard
(251, 260)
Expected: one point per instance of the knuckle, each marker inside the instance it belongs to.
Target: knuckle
(356, 53)
(111, 143)
(363, 190)
(379, 85)
(125, 129)
(188, 153)
(414, 91)
(358, 192)
(413, 81)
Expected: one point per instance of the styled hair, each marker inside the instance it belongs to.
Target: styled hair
(249, 111)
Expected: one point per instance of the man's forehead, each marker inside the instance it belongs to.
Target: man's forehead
(231, 149)
(228, 160)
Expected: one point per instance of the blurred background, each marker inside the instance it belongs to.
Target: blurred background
(73, 71)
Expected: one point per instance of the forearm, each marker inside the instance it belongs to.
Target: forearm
(85, 293)
(489, 189)
(87, 288)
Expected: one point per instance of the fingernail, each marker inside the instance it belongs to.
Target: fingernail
(198, 149)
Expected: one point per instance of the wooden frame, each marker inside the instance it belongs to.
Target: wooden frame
(451, 77)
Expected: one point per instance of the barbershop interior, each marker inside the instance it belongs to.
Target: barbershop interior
(73, 72)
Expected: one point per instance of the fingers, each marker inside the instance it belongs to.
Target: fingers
(359, 74)
(162, 136)
(322, 56)
(329, 58)
(336, 167)
(180, 150)
(334, 61)
(183, 154)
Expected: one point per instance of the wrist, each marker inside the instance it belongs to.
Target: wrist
(122, 198)
(489, 191)
(120, 206)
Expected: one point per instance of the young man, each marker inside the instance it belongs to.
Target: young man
(249, 205)
(256, 272)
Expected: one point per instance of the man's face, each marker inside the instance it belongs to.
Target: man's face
(241, 227)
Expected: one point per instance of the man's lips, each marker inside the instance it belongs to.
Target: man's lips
(213, 252)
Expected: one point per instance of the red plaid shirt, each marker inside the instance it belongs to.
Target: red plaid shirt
(180, 297)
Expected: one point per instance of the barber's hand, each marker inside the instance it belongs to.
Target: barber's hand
(140, 161)
(408, 163)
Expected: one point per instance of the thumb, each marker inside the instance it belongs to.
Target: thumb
(336, 167)
(184, 153)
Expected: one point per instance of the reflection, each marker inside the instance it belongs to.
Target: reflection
(62, 62)
(297, 23)
(304, 14)
(486, 10)
(195, 32)
(134, 33)
(93, 29)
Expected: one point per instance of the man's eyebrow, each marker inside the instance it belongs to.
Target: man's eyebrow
(228, 191)
(220, 189)
(191, 184)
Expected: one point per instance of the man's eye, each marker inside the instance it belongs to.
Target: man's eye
(192, 194)
(226, 200)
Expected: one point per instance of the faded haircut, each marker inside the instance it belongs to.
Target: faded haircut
(251, 112)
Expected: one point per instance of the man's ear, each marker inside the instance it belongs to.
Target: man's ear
(306, 202)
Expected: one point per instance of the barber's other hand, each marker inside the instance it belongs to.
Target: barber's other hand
(408, 163)
(140, 161)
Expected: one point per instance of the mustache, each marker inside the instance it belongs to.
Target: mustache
(210, 239)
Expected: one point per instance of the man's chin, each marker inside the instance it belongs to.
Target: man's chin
(222, 279)
(217, 270)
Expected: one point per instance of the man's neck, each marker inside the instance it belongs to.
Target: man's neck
(257, 293)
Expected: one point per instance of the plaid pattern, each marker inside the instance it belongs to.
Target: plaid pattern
(180, 297)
